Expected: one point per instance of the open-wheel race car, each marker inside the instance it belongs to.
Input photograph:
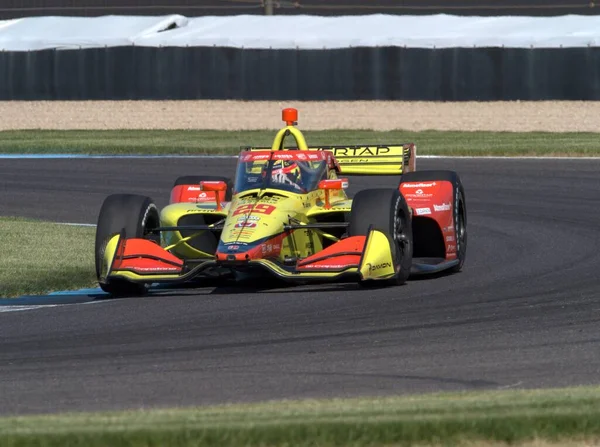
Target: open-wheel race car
(287, 216)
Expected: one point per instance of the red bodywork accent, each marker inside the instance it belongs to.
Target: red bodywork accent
(287, 155)
(338, 183)
(292, 154)
(268, 249)
(217, 187)
(434, 199)
(194, 194)
(329, 184)
(290, 116)
(342, 254)
(235, 257)
(143, 256)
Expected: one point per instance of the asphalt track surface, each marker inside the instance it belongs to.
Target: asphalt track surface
(524, 312)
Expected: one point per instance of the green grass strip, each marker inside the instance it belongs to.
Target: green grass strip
(229, 142)
(558, 416)
(40, 257)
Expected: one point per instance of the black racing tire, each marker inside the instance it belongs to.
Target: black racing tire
(134, 213)
(196, 179)
(460, 224)
(385, 210)
(460, 207)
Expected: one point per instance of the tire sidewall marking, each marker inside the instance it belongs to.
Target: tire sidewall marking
(457, 219)
(398, 266)
(149, 208)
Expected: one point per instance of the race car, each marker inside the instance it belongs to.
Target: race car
(287, 215)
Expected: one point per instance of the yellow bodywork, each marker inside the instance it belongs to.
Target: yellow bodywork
(260, 215)
(174, 240)
(109, 255)
(282, 207)
(377, 260)
(294, 132)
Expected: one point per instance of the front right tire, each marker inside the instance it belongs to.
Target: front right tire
(385, 210)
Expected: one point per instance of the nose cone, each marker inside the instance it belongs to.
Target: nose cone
(253, 235)
(245, 230)
(250, 245)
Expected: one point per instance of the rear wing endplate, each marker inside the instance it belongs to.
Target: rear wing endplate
(377, 159)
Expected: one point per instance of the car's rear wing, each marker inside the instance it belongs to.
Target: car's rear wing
(377, 159)
(374, 159)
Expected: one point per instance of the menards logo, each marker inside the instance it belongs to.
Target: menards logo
(418, 185)
(442, 207)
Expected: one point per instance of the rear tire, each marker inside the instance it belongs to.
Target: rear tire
(385, 210)
(459, 208)
(196, 179)
(134, 213)
(460, 226)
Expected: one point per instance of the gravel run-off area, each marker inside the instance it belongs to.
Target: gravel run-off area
(515, 116)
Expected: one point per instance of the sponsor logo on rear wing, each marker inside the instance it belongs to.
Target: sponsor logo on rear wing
(371, 159)
(377, 159)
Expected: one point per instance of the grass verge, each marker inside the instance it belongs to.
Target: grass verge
(560, 416)
(226, 142)
(39, 257)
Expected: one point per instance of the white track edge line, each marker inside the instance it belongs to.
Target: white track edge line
(74, 224)
(21, 308)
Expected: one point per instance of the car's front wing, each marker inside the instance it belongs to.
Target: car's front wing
(357, 258)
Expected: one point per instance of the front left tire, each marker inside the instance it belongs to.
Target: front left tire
(137, 215)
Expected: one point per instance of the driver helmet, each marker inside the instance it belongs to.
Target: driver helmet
(287, 172)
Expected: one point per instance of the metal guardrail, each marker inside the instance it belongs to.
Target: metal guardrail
(378, 73)
(21, 8)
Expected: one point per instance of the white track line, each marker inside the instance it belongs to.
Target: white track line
(71, 224)
(22, 308)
